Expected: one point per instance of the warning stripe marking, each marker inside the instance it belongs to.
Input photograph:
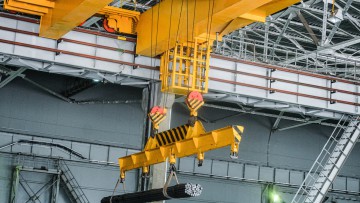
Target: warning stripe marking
(167, 137)
(162, 139)
(237, 129)
(177, 134)
(158, 140)
(172, 135)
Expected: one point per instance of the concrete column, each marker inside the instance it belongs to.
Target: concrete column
(159, 171)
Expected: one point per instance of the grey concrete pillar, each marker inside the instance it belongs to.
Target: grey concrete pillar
(159, 171)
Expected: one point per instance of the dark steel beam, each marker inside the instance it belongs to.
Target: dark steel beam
(308, 28)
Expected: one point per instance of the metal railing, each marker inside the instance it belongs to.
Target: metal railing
(344, 66)
(328, 163)
(71, 185)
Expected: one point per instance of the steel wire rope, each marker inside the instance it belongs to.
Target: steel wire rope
(187, 44)
(116, 185)
(194, 42)
(157, 34)
(157, 28)
(208, 31)
(168, 49)
(177, 32)
(193, 28)
(151, 57)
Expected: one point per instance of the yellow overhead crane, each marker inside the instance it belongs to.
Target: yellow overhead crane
(187, 31)
(182, 30)
(61, 16)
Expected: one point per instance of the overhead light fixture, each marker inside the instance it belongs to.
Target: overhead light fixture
(96, 80)
(336, 16)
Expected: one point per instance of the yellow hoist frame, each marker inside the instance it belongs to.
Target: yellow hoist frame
(182, 141)
(118, 20)
(185, 68)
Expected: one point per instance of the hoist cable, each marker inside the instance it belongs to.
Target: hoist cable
(188, 48)
(177, 32)
(168, 50)
(208, 31)
(151, 56)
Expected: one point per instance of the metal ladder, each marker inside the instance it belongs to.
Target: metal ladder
(329, 162)
(71, 186)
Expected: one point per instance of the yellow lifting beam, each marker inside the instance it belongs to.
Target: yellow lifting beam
(181, 142)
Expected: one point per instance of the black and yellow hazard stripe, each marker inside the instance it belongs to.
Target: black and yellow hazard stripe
(195, 103)
(172, 135)
(238, 130)
(157, 117)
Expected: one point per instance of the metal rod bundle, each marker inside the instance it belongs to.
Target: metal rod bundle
(177, 191)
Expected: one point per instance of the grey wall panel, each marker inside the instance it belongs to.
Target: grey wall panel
(59, 152)
(5, 178)
(31, 110)
(187, 164)
(339, 183)
(204, 169)
(5, 139)
(282, 176)
(99, 153)
(116, 153)
(236, 170)
(296, 177)
(98, 182)
(91, 176)
(131, 151)
(220, 168)
(251, 172)
(352, 184)
(82, 148)
(345, 200)
(298, 147)
(41, 150)
(352, 164)
(267, 174)
(21, 148)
